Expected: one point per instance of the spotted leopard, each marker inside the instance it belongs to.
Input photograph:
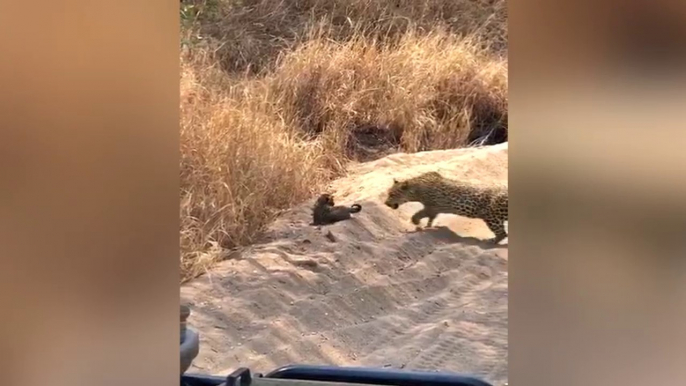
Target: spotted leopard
(443, 195)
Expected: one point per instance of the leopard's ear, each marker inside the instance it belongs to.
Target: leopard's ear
(395, 181)
(404, 185)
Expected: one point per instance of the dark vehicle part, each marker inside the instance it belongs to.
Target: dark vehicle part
(311, 375)
(374, 376)
(190, 341)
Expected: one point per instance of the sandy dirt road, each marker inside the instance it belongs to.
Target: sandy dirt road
(371, 291)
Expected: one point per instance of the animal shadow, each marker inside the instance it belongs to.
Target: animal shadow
(447, 235)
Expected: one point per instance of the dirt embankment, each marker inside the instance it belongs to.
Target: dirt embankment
(365, 292)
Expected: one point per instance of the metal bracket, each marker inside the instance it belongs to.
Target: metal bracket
(240, 377)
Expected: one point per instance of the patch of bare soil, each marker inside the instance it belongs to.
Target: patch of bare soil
(370, 291)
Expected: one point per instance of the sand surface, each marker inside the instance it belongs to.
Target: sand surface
(374, 292)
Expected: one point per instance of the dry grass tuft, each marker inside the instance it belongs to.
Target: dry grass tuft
(277, 97)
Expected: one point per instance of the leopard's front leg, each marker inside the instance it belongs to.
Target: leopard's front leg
(425, 212)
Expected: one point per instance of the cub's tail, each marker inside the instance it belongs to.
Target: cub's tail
(355, 208)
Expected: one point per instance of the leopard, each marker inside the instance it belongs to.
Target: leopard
(439, 194)
(325, 211)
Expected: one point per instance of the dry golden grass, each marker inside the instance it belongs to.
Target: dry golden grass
(277, 97)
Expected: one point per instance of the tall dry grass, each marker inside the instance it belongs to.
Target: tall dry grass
(272, 112)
